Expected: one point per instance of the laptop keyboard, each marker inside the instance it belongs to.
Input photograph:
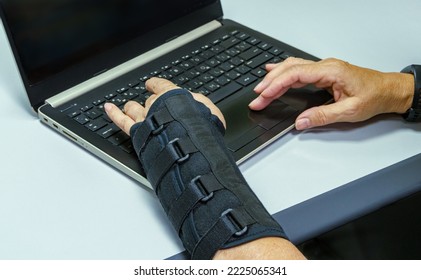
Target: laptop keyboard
(218, 70)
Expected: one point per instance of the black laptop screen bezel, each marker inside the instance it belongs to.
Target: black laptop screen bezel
(39, 91)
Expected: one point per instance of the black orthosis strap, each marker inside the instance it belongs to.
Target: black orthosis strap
(182, 151)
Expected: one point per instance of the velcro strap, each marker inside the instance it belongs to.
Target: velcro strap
(200, 189)
(151, 126)
(176, 151)
(233, 222)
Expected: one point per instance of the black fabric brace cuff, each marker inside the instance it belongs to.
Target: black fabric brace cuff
(182, 151)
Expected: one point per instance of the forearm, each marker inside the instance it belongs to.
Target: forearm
(269, 248)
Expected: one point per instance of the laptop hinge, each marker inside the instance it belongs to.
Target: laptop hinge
(132, 64)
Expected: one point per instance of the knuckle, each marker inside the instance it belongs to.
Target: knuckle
(339, 65)
(321, 117)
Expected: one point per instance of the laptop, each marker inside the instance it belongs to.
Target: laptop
(73, 56)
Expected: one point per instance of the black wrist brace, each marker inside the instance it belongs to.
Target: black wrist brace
(182, 151)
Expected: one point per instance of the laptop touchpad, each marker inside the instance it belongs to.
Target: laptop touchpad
(245, 125)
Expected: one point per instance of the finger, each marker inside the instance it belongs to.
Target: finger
(135, 111)
(261, 102)
(322, 74)
(150, 101)
(159, 86)
(343, 111)
(279, 80)
(276, 70)
(119, 118)
(269, 67)
(293, 75)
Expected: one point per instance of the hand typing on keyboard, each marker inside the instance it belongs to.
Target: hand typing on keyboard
(359, 93)
(134, 112)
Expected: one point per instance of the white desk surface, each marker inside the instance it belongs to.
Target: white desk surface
(59, 202)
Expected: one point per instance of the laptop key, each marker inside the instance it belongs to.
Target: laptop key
(133, 83)
(285, 55)
(118, 138)
(264, 46)
(232, 52)
(223, 57)
(130, 94)
(236, 61)
(127, 147)
(82, 119)
(118, 101)
(98, 101)
(223, 80)
(93, 114)
(122, 89)
(243, 69)
(226, 66)
(230, 43)
(110, 95)
(224, 92)
(276, 51)
(106, 118)
(86, 107)
(96, 124)
(108, 130)
(247, 79)
(216, 72)
(259, 72)
(253, 41)
(233, 75)
(212, 86)
(242, 36)
(259, 60)
(250, 53)
(243, 46)
(74, 113)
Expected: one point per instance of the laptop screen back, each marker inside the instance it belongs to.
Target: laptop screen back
(52, 37)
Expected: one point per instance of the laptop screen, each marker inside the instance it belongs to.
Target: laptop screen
(51, 36)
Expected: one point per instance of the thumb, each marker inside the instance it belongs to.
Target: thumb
(324, 115)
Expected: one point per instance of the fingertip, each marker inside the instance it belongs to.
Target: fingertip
(108, 107)
(261, 86)
(270, 66)
(159, 86)
(252, 105)
(258, 88)
(258, 104)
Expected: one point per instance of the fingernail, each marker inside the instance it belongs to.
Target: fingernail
(302, 124)
(251, 104)
(256, 102)
(259, 87)
(107, 106)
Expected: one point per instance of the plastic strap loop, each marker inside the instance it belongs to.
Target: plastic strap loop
(200, 190)
(153, 125)
(176, 151)
(233, 222)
